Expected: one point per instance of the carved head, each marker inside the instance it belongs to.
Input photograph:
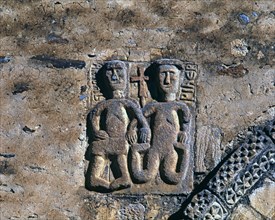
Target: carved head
(116, 75)
(169, 77)
(165, 78)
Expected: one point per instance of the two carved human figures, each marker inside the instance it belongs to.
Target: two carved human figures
(142, 142)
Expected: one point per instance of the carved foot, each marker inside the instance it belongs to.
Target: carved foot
(120, 183)
(140, 147)
(173, 180)
(99, 182)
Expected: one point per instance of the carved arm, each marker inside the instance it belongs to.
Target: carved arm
(145, 132)
(184, 116)
(149, 109)
(95, 121)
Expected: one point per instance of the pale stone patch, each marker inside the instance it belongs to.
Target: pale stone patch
(260, 55)
(125, 3)
(245, 213)
(239, 48)
(262, 199)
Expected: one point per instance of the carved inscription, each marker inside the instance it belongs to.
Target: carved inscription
(136, 147)
(188, 88)
(96, 95)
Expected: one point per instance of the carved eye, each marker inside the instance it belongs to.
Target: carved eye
(172, 73)
(120, 72)
(109, 72)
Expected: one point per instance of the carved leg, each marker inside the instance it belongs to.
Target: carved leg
(185, 160)
(124, 181)
(152, 167)
(96, 171)
(170, 164)
(169, 168)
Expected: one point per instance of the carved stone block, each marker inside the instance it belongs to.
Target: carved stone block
(208, 148)
(252, 158)
(141, 127)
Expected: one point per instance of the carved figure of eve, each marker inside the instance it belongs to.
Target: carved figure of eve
(170, 122)
(113, 123)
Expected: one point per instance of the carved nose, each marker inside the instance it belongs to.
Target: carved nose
(167, 78)
(114, 76)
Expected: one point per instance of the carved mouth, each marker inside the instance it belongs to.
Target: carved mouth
(116, 82)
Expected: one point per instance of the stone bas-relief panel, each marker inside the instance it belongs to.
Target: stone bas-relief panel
(141, 127)
(44, 46)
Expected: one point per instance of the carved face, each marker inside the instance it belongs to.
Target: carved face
(116, 76)
(169, 77)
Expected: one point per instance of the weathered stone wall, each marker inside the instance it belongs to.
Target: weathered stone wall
(47, 50)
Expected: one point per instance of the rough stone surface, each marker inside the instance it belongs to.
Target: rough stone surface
(47, 51)
(130, 207)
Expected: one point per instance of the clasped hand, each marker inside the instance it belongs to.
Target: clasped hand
(144, 135)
